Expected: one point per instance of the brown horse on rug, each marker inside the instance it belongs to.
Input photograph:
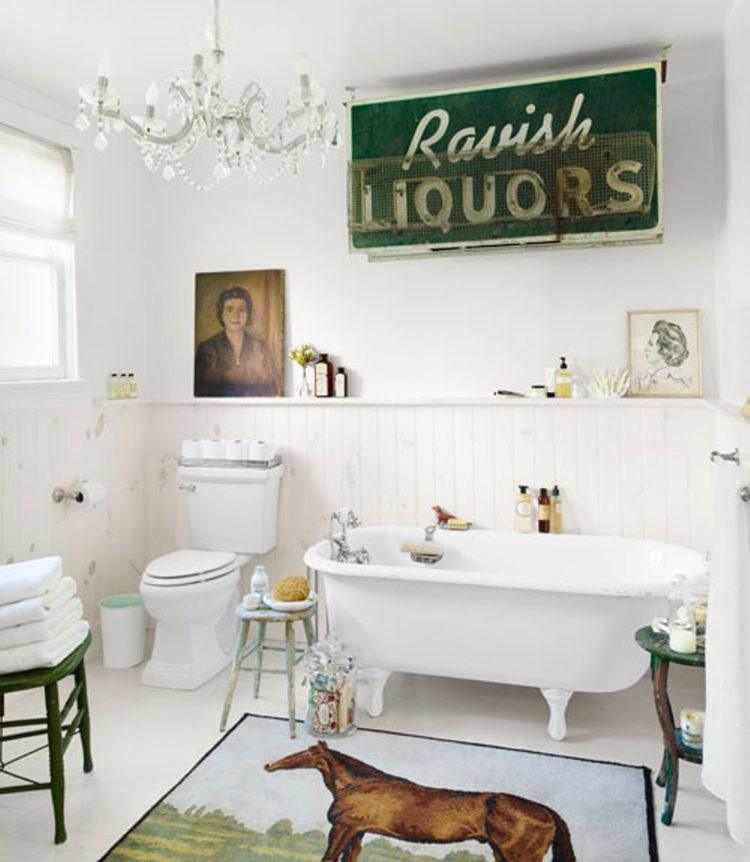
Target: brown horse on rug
(368, 800)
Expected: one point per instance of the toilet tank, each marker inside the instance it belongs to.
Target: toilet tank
(231, 508)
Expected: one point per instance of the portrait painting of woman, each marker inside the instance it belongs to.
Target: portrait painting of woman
(665, 353)
(239, 334)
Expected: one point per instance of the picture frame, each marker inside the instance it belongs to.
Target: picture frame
(239, 334)
(664, 353)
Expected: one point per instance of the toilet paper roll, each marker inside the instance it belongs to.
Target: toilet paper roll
(260, 450)
(190, 449)
(89, 494)
(235, 450)
(212, 449)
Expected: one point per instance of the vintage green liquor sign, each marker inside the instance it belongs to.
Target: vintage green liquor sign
(566, 160)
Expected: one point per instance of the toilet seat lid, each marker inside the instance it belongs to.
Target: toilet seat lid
(181, 564)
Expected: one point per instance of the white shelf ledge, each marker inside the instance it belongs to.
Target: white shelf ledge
(411, 401)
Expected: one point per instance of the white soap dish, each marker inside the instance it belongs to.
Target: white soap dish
(290, 607)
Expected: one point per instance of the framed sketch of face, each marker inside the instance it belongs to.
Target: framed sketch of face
(665, 354)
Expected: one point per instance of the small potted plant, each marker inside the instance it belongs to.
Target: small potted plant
(304, 356)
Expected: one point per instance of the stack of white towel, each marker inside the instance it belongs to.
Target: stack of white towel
(40, 615)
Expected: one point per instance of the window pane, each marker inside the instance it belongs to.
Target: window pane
(29, 335)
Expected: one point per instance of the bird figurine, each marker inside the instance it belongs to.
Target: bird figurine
(442, 516)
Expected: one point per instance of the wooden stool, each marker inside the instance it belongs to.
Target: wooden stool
(675, 748)
(263, 616)
(54, 725)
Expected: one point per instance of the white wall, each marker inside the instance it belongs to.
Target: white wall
(453, 326)
(102, 548)
(629, 469)
(733, 276)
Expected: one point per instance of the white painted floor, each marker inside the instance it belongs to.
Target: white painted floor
(145, 739)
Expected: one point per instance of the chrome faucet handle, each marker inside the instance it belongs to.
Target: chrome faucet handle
(429, 533)
(352, 521)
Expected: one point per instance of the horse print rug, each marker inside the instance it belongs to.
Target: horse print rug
(377, 796)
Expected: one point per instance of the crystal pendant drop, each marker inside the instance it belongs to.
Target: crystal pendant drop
(100, 141)
(168, 172)
(82, 122)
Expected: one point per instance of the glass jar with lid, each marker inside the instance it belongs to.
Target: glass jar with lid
(330, 671)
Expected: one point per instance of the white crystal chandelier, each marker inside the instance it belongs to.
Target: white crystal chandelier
(244, 138)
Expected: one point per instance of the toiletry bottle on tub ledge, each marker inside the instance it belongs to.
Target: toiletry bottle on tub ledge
(555, 514)
(523, 511)
(543, 512)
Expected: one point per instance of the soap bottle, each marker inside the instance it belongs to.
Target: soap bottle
(556, 518)
(132, 386)
(112, 386)
(563, 381)
(341, 388)
(543, 512)
(523, 522)
(323, 377)
(259, 582)
(122, 385)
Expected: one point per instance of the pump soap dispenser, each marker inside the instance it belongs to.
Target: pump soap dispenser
(563, 381)
(523, 511)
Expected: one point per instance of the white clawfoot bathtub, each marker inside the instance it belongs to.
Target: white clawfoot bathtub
(556, 612)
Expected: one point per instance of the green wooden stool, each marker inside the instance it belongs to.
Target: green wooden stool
(54, 726)
(674, 747)
(263, 616)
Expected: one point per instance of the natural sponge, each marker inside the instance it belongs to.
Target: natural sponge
(291, 589)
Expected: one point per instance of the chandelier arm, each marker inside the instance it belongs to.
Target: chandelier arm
(141, 132)
(265, 142)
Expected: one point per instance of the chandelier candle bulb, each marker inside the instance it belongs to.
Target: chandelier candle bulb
(195, 45)
(105, 66)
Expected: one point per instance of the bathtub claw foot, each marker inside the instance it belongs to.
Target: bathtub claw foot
(557, 700)
(374, 681)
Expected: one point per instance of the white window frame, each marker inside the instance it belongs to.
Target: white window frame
(60, 257)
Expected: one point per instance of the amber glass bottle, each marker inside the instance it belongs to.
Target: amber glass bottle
(543, 511)
(323, 377)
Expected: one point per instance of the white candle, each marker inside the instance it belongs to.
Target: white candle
(701, 612)
(682, 640)
(691, 723)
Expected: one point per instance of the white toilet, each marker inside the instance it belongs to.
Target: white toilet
(232, 514)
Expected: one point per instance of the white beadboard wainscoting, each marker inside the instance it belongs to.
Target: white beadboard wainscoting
(104, 548)
(628, 468)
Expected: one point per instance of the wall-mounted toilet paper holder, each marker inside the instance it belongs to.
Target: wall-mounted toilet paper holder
(60, 494)
(88, 494)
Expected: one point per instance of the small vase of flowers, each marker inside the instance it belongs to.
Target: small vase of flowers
(304, 356)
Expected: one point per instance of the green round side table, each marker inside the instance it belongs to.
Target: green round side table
(55, 726)
(675, 748)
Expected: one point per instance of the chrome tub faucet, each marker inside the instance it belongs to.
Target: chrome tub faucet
(339, 545)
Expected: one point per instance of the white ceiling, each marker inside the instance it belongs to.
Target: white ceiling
(51, 46)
